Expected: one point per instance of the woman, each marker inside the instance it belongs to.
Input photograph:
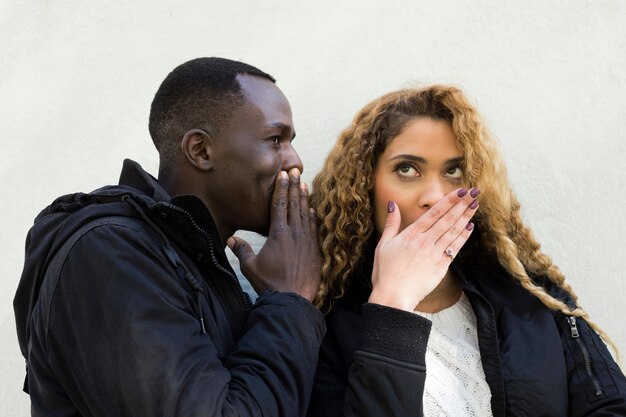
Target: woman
(440, 298)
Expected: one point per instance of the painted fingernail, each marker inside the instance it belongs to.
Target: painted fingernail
(391, 206)
(461, 192)
(473, 204)
(474, 192)
(470, 226)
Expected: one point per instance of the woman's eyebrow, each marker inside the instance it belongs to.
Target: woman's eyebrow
(410, 157)
(456, 160)
(422, 160)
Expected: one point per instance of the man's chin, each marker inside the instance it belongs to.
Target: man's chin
(263, 230)
(263, 226)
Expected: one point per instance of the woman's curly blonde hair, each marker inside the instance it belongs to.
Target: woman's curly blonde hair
(343, 201)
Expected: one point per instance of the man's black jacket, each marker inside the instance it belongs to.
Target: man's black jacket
(127, 306)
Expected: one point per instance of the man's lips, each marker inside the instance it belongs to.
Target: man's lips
(272, 187)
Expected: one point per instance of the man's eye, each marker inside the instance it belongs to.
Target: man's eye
(275, 140)
(407, 171)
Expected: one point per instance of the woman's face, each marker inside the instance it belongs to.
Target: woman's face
(419, 167)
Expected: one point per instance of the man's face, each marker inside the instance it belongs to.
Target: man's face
(252, 148)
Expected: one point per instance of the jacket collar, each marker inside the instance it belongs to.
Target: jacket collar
(162, 207)
(133, 175)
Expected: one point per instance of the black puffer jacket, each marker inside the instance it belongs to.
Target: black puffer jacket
(127, 306)
(537, 362)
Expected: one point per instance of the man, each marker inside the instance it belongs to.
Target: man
(127, 304)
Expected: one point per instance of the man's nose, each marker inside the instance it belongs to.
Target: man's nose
(291, 159)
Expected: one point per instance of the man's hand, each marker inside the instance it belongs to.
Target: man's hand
(289, 261)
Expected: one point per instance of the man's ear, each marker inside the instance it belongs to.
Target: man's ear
(196, 147)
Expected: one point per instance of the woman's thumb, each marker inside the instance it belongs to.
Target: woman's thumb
(392, 224)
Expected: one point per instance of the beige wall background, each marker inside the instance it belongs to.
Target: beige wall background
(77, 78)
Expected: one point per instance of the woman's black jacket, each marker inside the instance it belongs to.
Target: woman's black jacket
(537, 362)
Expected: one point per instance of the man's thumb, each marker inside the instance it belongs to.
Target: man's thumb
(242, 250)
(392, 224)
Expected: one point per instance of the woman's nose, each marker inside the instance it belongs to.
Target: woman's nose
(433, 191)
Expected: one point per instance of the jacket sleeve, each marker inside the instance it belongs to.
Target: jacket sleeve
(387, 371)
(596, 385)
(122, 338)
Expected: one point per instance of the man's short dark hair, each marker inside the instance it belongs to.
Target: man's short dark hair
(200, 93)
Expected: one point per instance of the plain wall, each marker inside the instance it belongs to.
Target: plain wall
(77, 79)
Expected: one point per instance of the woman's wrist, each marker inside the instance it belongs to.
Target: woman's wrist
(393, 300)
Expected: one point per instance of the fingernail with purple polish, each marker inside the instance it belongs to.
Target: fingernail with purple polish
(461, 192)
(391, 206)
(473, 204)
(470, 226)
(474, 192)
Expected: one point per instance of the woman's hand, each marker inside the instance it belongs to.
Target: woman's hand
(409, 265)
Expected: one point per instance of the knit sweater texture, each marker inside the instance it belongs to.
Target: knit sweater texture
(455, 379)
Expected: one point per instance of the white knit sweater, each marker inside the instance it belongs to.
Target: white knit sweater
(455, 380)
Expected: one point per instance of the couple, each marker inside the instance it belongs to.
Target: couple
(411, 242)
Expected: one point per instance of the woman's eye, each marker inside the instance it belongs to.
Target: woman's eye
(407, 171)
(454, 172)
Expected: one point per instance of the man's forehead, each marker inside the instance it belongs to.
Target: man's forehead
(265, 102)
(257, 89)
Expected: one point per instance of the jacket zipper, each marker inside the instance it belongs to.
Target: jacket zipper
(245, 301)
(576, 336)
(488, 345)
